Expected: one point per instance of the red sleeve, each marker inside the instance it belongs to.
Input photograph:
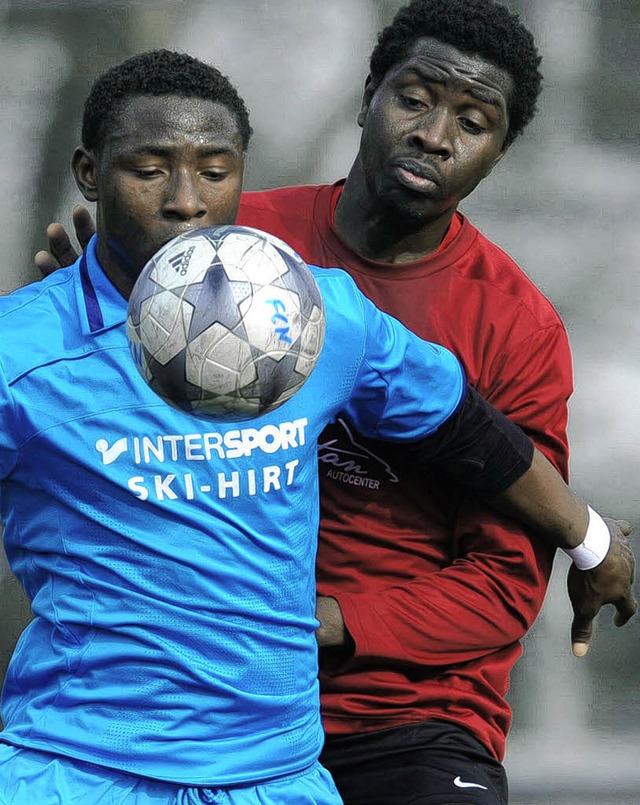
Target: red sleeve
(491, 593)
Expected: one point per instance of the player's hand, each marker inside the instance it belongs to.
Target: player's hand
(332, 630)
(609, 583)
(61, 251)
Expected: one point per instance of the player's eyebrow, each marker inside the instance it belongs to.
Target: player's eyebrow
(487, 95)
(479, 92)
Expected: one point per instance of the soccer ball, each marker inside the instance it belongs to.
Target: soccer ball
(226, 322)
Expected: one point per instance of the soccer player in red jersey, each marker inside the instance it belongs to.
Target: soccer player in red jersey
(425, 594)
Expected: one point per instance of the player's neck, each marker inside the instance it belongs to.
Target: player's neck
(380, 233)
(121, 275)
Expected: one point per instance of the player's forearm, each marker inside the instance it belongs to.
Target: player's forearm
(487, 454)
(458, 614)
(540, 499)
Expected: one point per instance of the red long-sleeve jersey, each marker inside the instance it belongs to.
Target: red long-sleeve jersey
(436, 591)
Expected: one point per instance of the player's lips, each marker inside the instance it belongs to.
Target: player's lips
(416, 175)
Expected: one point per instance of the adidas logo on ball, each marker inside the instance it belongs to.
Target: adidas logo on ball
(180, 262)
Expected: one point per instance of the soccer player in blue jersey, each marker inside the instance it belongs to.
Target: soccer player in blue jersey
(172, 654)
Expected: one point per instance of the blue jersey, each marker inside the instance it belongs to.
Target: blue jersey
(170, 560)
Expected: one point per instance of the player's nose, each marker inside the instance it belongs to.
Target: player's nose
(432, 134)
(183, 198)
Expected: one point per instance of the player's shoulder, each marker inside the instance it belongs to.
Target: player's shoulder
(496, 273)
(299, 215)
(275, 208)
(36, 296)
(34, 320)
(336, 284)
(281, 197)
(344, 303)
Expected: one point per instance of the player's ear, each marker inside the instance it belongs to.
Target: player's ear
(84, 167)
(369, 90)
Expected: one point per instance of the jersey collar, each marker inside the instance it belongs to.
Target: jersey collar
(104, 305)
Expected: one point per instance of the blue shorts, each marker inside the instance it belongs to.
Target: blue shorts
(28, 776)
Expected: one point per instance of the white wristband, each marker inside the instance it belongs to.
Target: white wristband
(595, 545)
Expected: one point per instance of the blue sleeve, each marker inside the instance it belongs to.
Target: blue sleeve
(8, 448)
(406, 387)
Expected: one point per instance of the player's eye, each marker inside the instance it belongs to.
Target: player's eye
(147, 173)
(472, 126)
(412, 102)
(215, 174)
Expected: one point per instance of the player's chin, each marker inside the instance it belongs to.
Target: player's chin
(411, 205)
(418, 213)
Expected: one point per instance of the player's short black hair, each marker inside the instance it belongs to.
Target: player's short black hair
(157, 72)
(481, 27)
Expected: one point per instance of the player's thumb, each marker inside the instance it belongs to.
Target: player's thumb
(581, 634)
